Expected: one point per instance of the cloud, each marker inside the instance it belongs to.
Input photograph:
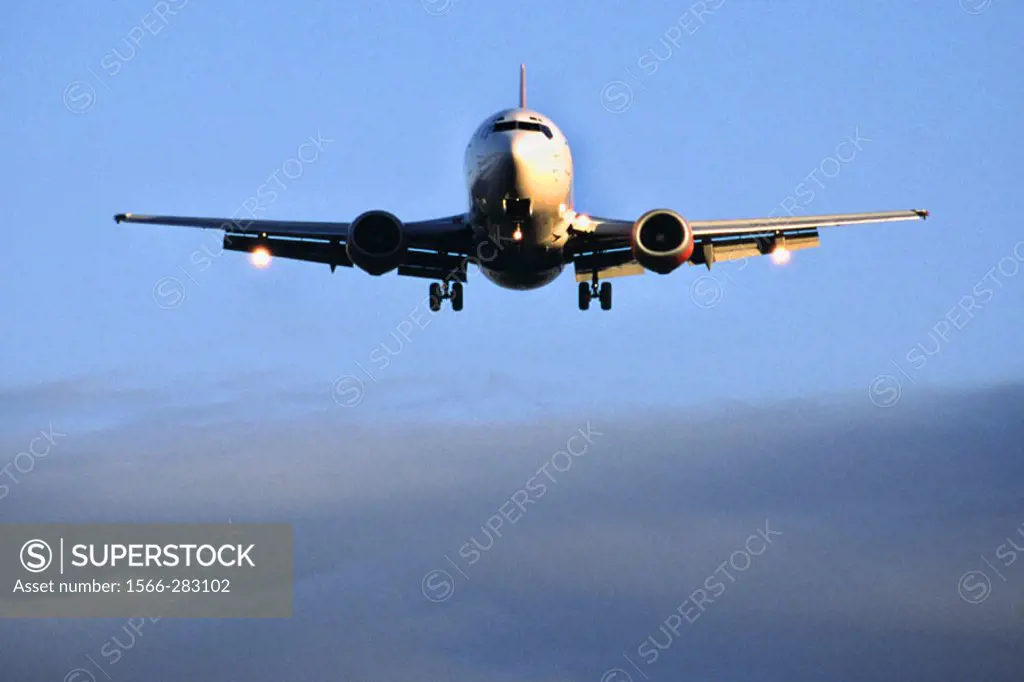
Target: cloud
(878, 514)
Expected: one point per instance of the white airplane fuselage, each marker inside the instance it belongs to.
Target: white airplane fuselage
(518, 170)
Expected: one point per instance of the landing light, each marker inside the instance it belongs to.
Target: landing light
(781, 255)
(518, 234)
(260, 257)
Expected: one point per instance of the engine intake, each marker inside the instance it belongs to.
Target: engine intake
(377, 242)
(661, 241)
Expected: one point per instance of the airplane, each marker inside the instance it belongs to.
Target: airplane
(522, 228)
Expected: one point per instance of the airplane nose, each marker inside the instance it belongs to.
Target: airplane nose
(522, 149)
(518, 165)
(511, 156)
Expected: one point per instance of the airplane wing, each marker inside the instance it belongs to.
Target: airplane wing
(603, 244)
(435, 246)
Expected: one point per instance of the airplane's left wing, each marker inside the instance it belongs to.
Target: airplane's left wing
(604, 245)
(435, 246)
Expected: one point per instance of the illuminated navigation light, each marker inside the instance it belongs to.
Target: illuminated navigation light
(781, 255)
(518, 234)
(260, 257)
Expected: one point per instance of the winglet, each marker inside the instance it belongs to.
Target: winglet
(922, 213)
(121, 216)
(522, 86)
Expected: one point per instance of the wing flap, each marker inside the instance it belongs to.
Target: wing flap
(332, 254)
(425, 264)
(607, 264)
(629, 269)
(717, 251)
(433, 272)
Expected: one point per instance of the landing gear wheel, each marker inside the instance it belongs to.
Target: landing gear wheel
(435, 297)
(456, 296)
(606, 295)
(584, 296)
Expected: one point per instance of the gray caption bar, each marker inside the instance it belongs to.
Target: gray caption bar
(146, 571)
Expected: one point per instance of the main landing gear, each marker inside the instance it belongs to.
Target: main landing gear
(452, 293)
(591, 291)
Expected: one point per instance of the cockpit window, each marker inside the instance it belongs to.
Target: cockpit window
(535, 127)
(503, 126)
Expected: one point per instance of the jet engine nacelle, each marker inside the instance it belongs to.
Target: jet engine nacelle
(377, 242)
(661, 241)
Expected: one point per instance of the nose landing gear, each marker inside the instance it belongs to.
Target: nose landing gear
(587, 292)
(439, 293)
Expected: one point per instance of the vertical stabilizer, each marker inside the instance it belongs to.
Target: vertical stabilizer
(522, 86)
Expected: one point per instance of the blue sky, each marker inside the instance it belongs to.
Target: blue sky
(866, 396)
(196, 117)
